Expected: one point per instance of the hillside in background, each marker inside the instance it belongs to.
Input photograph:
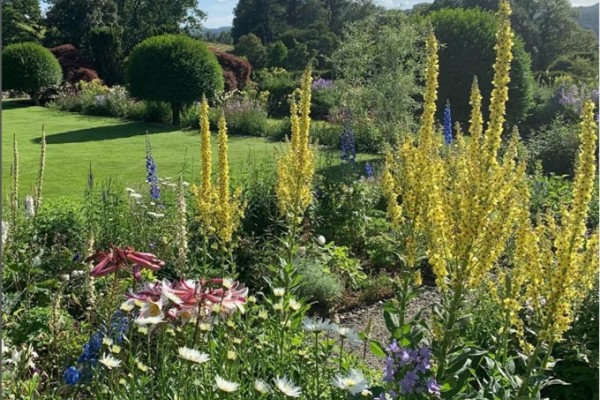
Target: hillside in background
(588, 17)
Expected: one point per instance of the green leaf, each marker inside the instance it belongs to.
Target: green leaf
(377, 349)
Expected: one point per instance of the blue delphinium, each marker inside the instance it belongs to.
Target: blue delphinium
(72, 376)
(152, 177)
(369, 171)
(119, 324)
(447, 124)
(348, 147)
(408, 371)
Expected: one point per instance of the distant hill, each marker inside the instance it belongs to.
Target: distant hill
(588, 17)
(216, 31)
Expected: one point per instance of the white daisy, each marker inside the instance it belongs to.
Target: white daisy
(347, 333)
(109, 361)
(225, 385)
(287, 387)
(316, 325)
(193, 355)
(278, 292)
(149, 320)
(294, 305)
(262, 387)
(354, 382)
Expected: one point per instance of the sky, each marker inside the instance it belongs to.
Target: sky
(220, 12)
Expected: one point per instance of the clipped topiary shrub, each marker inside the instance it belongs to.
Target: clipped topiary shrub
(30, 68)
(173, 68)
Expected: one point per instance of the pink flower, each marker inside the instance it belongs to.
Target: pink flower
(116, 258)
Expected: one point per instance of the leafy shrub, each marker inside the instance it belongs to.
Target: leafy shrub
(280, 84)
(251, 47)
(34, 325)
(173, 68)
(236, 72)
(30, 68)
(317, 285)
(323, 98)
(468, 38)
(83, 74)
(245, 116)
(70, 60)
(105, 45)
(60, 222)
(555, 146)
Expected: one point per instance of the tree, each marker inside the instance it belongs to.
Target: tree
(21, 21)
(467, 39)
(70, 21)
(173, 68)
(263, 18)
(30, 68)
(277, 54)
(378, 64)
(252, 48)
(107, 53)
(548, 28)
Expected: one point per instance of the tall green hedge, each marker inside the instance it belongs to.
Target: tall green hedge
(467, 39)
(173, 68)
(30, 68)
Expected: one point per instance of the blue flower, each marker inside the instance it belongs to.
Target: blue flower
(369, 171)
(152, 177)
(389, 370)
(407, 384)
(71, 376)
(447, 124)
(119, 324)
(393, 347)
(433, 387)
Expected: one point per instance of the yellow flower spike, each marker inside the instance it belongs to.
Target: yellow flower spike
(204, 194)
(499, 95)
(427, 129)
(296, 167)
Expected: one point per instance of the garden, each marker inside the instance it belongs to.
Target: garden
(344, 212)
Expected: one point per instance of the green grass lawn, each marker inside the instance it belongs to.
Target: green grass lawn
(115, 148)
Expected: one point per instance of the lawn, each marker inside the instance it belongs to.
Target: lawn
(115, 148)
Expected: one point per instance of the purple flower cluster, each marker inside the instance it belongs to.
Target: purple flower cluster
(408, 371)
(152, 177)
(572, 96)
(321, 84)
(369, 170)
(118, 325)
(447, 124)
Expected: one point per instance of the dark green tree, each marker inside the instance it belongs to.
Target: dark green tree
(264, 18)
(548, 28)
(107, 53)
(467, 40)
(277, 54)
(251, 47)
(21, 21)
(30, 68)
(173, 68)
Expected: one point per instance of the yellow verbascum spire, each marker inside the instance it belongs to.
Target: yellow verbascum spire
(499, 96)
(229, 209)
(296, 167)
(427, 128)
(204, 194)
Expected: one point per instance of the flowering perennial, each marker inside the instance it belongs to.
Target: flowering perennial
(152, 177)
(296, 167)
(447, 124)
(116, 258)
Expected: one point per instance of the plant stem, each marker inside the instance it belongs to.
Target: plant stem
(449, 328)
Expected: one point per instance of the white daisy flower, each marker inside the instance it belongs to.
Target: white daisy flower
(193, 355)
(225, 385)
(107, 341)
(321, 240)
(149, 320)
(278, 292)
(347, 333)
(287, 387)
(262, 387)
(109, 361)
(136, 196)
(294, 305)
(316, 325)
(354, 382)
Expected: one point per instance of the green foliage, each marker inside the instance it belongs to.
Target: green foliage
(378, 64)
(338, 260)
(277, 54)
(175, 69)
(252, 48)
(107, 53)
(30, 68)
(34, 326)
(555, 146)
(467, 39)
(21, 21)
(280, 84)
(316, 284)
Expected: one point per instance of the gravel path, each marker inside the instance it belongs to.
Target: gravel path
(358, 318)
